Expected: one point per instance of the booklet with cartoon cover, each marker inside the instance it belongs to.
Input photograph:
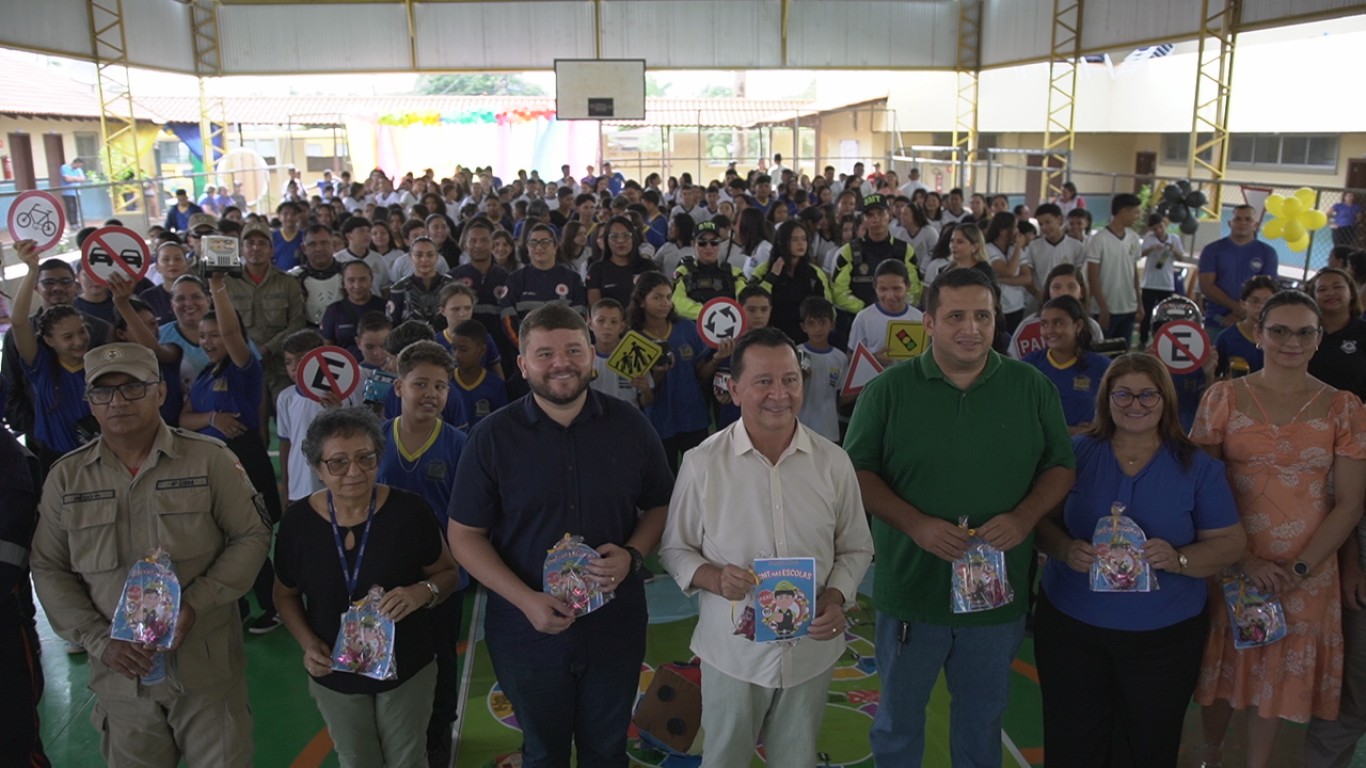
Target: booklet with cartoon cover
(785, 597)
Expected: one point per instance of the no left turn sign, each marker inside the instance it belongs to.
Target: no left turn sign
(327, 371)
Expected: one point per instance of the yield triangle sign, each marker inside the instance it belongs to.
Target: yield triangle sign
(863, 368)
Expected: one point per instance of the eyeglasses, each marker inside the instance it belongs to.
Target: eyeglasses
(618, 237)
(53, 282)
(708, 243)
(133, 390)
(1283, 334)
(339, 466)
(1147, 398)
(541, 242)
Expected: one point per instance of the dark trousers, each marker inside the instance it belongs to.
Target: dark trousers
(1121, 327)
(1013, 319)
(1151, 298)
(73, 211)
(681, 443)
(448, 622)
(256, 462)
(1114, 698)
(580, 701)
(21, 680)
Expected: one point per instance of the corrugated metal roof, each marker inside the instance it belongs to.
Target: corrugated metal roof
(31, 88)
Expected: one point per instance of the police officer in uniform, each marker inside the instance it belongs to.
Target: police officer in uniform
(138, 486)
(853, 286)
(701, 279)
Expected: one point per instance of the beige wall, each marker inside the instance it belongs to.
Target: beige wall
(36, 128)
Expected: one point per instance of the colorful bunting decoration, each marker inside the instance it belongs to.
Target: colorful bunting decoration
(507, 117)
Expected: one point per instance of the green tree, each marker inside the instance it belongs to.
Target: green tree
(654, 88)
(486, 84)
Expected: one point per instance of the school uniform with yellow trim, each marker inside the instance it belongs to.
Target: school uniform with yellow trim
(486, 394)
(1077, 381)
(428, 471)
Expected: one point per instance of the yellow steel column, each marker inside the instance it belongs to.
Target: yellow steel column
(1059, 136)
(118, 124)
(968, 63)
(1213, 86)
(208, 63)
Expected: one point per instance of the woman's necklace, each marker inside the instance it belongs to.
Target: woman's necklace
(1142, 455)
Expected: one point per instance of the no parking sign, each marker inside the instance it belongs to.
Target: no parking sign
(327, 371)
(1182, 346)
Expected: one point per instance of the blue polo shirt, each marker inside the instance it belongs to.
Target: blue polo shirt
(1232, 265)
(481, 397)
(1077, 382)
(528, 481)
(679, 406)
(286, 252)
(1233, 343)
(231, 390)
(59, 400)
(429, 471)
(1169, 502)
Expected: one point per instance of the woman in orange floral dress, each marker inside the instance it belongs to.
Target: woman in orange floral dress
(1287, 439)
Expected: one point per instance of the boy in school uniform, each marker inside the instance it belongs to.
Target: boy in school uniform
(293, 413)
(376, 364)
(420, 454)
(404, 335)
(757, 305)
(823, 365)
(482, 392)
(457, 306)
(608, 322)
(892, 282)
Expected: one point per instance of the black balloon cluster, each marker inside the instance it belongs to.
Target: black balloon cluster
(1181, 205)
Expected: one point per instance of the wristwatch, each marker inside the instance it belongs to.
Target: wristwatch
(1181, 560)
(1300, 568)
(436, 593)
(637, 559)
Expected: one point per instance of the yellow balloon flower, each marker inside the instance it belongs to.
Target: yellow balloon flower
(1295, 218)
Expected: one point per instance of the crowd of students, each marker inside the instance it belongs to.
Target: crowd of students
(427, 283)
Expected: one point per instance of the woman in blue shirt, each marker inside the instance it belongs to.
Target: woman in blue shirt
(225, 402)
(1117, 669)
(679, 412)
(1067, 360)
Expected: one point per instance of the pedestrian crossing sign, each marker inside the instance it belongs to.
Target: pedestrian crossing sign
(635, 355)
(905, 339)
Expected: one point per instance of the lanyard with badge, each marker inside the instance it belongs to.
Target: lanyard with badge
(365, 640)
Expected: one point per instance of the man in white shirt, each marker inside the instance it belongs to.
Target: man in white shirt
(1112, 256)
(765, 486)
(911, 186)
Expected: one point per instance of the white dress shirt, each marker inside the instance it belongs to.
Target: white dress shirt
(731, 505)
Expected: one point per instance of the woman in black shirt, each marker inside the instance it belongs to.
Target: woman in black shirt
(332, 548)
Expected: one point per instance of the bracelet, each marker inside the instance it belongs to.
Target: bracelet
(436, 593)
(212, 415)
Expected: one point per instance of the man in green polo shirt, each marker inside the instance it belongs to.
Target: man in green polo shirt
(960, 431)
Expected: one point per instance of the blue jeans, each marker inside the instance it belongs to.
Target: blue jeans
(976, 663)
(581, 699)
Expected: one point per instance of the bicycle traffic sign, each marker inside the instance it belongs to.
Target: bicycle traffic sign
(37, 215)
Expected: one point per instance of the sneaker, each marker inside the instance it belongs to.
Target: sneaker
(73, 649)
(263, 623)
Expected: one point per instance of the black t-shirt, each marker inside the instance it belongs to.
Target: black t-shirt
(616, 281)
(1341, 359)
(788, 292)
(404, 538)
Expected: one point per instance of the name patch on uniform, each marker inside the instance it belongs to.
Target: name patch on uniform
(1082, 383)
(175, 483)
(436, 470)
(77, 498)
